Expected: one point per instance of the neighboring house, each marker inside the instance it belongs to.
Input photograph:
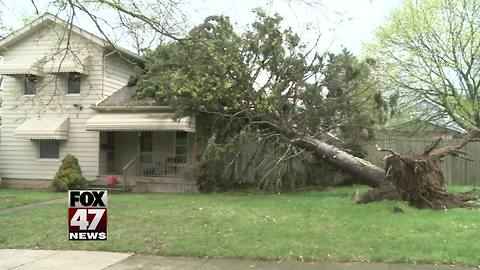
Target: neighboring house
(59, 100)
(423, 119)
(1, 97)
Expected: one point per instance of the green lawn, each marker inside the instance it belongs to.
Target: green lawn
(311, 226)
(16, 197)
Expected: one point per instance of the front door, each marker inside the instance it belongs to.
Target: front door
(107, 146)
(146, 152)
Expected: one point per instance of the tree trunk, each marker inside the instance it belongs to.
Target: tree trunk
(366, 172)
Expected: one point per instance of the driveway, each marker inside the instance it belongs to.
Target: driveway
(16, 259)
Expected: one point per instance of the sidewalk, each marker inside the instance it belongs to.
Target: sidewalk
(32, 205)
(58, 259)
(16, 259)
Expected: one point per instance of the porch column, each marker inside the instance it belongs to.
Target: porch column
(194, 150)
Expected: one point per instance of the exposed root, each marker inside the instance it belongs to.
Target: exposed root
(386, 191)
(418, 180)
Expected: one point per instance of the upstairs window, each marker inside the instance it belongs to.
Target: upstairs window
(30, 85)
(73, 85)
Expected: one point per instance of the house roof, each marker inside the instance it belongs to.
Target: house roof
(125, 98)
(417, 126)
(430, 114)
(49, 18)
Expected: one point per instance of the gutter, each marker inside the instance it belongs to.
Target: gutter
(129, 108)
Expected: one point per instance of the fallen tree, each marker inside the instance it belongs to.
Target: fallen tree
(265, 83)
(417, 179)
(365, 172)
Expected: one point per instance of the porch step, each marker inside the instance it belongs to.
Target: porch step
(102, 180)
(164, 185)
(163, 180)
(115, 189)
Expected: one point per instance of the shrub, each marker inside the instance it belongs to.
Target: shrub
(69, 175)
(210, 168)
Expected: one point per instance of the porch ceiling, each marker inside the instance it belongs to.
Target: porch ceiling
(140, 122)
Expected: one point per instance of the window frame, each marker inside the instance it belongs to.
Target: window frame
(186, 145)
(39, 150)
(108, 141)
(146, 135)
(30, 79)
(74, 76)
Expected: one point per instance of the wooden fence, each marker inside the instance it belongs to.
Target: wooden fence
(456, 171)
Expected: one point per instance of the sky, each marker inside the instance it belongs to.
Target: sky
(346, 23)
(340, 23)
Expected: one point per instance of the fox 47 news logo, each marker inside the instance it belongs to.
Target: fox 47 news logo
(87, 215)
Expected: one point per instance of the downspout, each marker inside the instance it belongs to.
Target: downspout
(103, 97)
(103, 71)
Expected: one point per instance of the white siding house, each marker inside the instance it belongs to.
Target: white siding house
(44, 43)
(64, 92)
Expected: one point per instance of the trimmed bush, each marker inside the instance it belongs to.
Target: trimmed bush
(69, 175)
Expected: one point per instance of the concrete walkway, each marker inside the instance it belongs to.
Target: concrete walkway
(32, 205)
(72, 260)
(58, 259)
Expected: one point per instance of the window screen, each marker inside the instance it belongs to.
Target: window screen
(30, 85)
(48, 148)
(146, 141)
(181, 143)
(74, 81)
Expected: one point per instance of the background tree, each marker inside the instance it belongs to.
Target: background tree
(140, 23)
(429, 49)
(265, 82)
(3, 29)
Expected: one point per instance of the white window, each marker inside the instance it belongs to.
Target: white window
(48, 149)
(73, 84)
(30, 85)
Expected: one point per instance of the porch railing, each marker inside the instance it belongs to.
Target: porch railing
(153, 164)
(129, 171)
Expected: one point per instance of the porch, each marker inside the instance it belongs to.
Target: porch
(146, 146)
(147, 161)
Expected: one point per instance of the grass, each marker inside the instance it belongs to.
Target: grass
(16, 197)
(310, 226)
